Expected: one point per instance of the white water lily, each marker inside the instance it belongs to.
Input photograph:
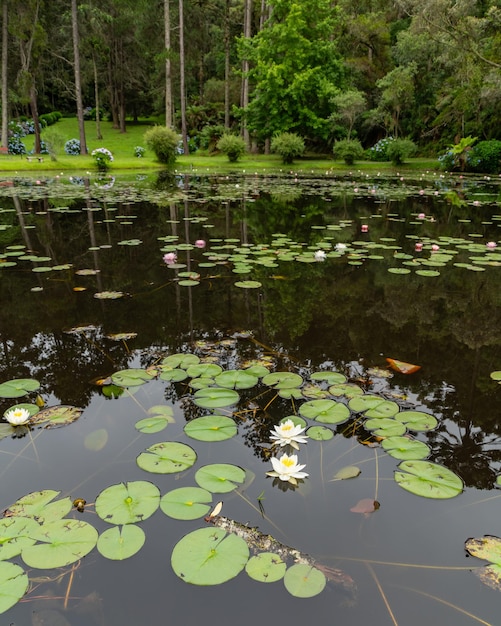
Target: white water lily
(288, 433)
(340, 246)
(17, 417)
(320, 255)
(287, 468)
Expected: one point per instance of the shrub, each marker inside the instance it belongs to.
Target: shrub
(163, 142)
(400, 149)
(102, 158)
(379, 151)
(139, 151)
(209, 137)
(349, 150)
(16, 146)
(288, 146)
(72, 147)
(485, 157)
(447, 161)
(54, 141)
(232, 146)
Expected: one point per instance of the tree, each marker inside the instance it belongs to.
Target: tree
(5, 85)
(182, 77)
(350, 105)
(168, 69)
(397, 93)
(78, 84)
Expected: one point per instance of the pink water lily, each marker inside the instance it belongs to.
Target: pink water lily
(200, 243)
(170, 258)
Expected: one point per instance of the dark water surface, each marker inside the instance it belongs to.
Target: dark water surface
(346, 314)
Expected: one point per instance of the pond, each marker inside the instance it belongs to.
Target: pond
(157, 330)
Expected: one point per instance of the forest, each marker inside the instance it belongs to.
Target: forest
(427, 71)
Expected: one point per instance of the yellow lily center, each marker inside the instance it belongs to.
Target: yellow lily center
(288, 462)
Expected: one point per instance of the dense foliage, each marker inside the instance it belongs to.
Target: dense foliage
(428, 71)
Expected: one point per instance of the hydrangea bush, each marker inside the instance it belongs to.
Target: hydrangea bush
(72, 147)
(379, 151)
(102, 157)
(139, 152)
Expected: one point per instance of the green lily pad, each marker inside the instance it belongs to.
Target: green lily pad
(429, 480)
(61, 543)
(15, 534)
(220, 477)
(209, 556)
(128, 503)
(345, 473)
(385, 427)
(348, 390)
(496, 376)
(487, 547)
(325, 411)
(211, 428)
(290, 393)
(152, 424)
(55, 416)
(405, 449)
(182, 360)
(18, 387)
(39, 506)
(257, 370)
(132, 377)
(109, 295)
(266, 567)
(204, 370)
(417, 420)
(186, 503)
(248, 284)
(366, 402)
(14, 584)
(304, 581)
(314, 391)
(118, 543)
(215, 397)
(31, 408)
(320, 433)
(167, 457)
(489, 575)
(172, 374)
(236, 379)
(332, 378)
(386, 408)
(283, 380)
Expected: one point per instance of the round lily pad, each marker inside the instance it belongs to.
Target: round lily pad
(211, 428)
(215, 397)
(182, 360)
(220, 477)
(332, 378)
(209, 556)
(248, 284)
(153, 424)
(61, 543)
(386, 408)
(14, 584)
(487, 547)
(119, 543)
(385, 427)
(319, 433)
(348, 390)
(167, 457)
(281, 380)
(325, 411)
(172, 374)
(363, 403)
(15, 534)
(204, 370)
(39, 505)
(186, 503)
(417, 420)
(236, 379)
(404, 448)
(132, 377)
(128, 503)
(266, 567)
(18, 387)
(429, 480)
(55, 416)
(304, 581)
(350, 471)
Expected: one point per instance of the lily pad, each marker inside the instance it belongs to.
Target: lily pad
(220, 477)
(320, 433)
(31, 408)
(283, 380)
(350, 471)
(348, 390)
(18, 387)
(236, 379)
(487, 547)
(304, 581)
(128, 503)
(209, 556)
(61, 543)
(153, 424)
(215, 397)
(417, 420)
(248, 284)
(325, 411)
(172, 374)
(404, 448)
(182, 360)
(366, 402)
(118, 543)
(15, 534)
(132, 377)
(429, 480)
(167, 457)
(109, 295)
(385, 427)
(204, 370)
(14, 584)
(266, 567)
(211, 428)
(39, 505)
(386, 408)
(186, 503)
(55, 416)
(332, 378)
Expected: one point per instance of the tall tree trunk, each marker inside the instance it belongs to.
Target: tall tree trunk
(182, 71)
(78, 84)
(5, 98)
(245, 68)
(34, 114)
(168, 68)
(96, 98)
(227, 64)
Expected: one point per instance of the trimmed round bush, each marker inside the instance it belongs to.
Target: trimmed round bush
(400, 149)
(232, 146)
(163, 142)
(485, 157)
(349, 150)
(72, 147)
(288, 146)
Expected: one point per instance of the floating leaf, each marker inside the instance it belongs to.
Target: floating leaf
(18, 387)
(184, 361)
(404, 448)
(349, 390)
(331, 378)
(31, 408)
(283, 380)
(215, 397)
(304, 581)
(365, 402)
(490, 575)
(496, 376)
(248, 284)
(205, 370)
(385, 427)
(209, 556)
(417, 420)
(132, 377)
(39, 506)
(118, 544)
(14, 584)
(386, 408)
(350, 471)
(365, 506)
(236, 379)
(62, 542)
(487, 547)
(153, 424)
(314, 391)
(186, 503)
(121, 336)
(15, 534)
(167, 457)
(211, 428)
(55, 416)
(220, 477)
(401, 366)
(325, 411)
(109, 295)
(429, 480)
(319, 433)
(96, 440)
(266, 567)
(128, 503)
(172, 374)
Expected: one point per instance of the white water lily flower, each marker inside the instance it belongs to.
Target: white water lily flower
(320, 255)
(288, 433)
(287, 468)
(17, 417)
(340, 246)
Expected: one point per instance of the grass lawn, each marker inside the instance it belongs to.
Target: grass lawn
(122, 147)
